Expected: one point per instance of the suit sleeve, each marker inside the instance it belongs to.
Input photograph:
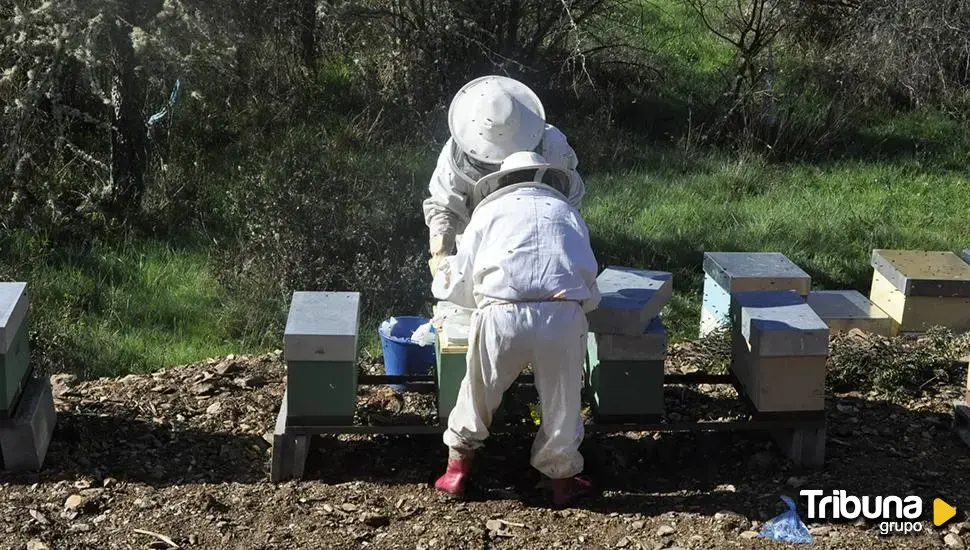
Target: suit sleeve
(589, 268)
(455, 280)
(446, 210)
(556, 149)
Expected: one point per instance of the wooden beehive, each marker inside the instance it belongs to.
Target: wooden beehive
(779, 350)
(625, 374)
(320, 350)
(14, 349)
(844, 310)
(921, 289)
(728, 272)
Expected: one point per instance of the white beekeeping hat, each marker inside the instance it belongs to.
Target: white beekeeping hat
(494, 116)
(554, 176)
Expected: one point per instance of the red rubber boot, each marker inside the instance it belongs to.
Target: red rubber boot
(565, 491)
(454, 479)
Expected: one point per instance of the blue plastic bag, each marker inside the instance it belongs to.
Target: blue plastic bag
(787, 527)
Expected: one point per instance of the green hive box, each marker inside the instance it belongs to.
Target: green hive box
(320, 349)
(13, 345)
(450, 369)
(624, 388)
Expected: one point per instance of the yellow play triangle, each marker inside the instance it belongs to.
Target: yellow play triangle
(942, 512)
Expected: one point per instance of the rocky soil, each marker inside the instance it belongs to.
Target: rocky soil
(179, 459)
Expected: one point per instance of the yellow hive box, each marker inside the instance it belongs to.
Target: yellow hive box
(921, 289)
(844, 310)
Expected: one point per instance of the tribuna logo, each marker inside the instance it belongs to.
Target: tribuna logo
(895, 514)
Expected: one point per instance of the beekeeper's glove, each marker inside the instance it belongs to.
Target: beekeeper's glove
(439, 246)
(435, 262)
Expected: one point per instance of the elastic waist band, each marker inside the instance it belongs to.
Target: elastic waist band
(518, 302)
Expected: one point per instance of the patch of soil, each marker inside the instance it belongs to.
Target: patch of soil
(181, 457)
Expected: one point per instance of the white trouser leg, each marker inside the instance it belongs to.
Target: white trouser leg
(499, 347)
(559, 360)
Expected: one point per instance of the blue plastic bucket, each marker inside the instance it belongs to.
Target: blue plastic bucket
(401, 355)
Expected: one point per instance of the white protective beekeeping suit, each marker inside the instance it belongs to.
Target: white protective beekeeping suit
(490, 118)
(526, 265)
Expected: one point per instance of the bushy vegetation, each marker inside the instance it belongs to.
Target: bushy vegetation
(302, 134)
(897, 366)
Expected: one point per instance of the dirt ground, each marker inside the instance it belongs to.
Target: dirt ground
(181, 457)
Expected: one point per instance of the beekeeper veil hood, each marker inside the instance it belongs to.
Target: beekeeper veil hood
(494, 116)
(523, 167)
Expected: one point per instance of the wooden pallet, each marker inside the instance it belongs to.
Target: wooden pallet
(800, 435)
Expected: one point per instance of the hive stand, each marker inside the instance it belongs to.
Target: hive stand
(320, 350)
(14, 351)
(625, 375)
(922, 289)
(27, 415)
(844, 310)
(779, 350)
(630, 299)
(24, 439)
(728, 272)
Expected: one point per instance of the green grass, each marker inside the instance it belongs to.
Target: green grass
(690, 57)
(141, 306)
(136, 308)
(827, 219)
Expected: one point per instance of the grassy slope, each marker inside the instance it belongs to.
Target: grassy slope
(149, 305)
(827, 219)
(902, 182)
(127, 309)
(146, 305)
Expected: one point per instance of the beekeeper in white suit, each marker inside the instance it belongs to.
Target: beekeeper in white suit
(526, 267)
(490, 118)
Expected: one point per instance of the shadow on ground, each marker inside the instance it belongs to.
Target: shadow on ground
(874, 448)
(134, 450)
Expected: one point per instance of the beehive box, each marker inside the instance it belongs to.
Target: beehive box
(625, 375)
(630, 299)
(25, 438)
(451, 366)
(844, 310)
(922, 289)
(728, 272)
(320, 350)
(14, 350)
(779, 349)
(450, 371)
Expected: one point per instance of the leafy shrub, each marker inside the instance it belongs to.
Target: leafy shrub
(894, 365)
(908, 52)
(317, 216)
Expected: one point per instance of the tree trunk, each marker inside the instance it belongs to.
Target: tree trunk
(128, 140)
(511, 46)
(308, 32)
